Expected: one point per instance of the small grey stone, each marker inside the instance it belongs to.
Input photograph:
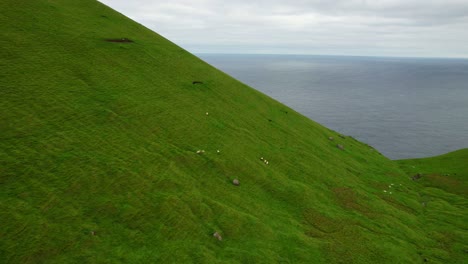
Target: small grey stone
(217, 236)
(340, 146)
(235, 182)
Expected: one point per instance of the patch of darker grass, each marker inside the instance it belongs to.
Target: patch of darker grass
(447, 183)
(320, 222)
(348, 199)
(445, 240)
(344, 240)
(351, 246)
(392, 174)
(391, 201)
(120, 40)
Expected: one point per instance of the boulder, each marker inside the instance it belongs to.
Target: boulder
(217, 236)
(416, 177)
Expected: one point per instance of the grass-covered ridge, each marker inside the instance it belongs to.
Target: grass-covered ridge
(100, 127)
(443, 192)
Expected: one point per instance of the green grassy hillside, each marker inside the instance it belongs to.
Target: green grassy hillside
(443, 193)
(100, 128)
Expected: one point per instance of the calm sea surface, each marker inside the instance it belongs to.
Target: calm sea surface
(404, 107)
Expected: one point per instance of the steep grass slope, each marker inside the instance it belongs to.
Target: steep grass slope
(100, 128)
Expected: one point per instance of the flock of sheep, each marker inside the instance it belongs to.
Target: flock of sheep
(390, 186)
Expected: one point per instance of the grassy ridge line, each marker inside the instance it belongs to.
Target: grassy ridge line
(102, 136)
(444, 192)
(452, 164)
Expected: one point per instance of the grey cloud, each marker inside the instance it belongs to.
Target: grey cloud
(389, 27)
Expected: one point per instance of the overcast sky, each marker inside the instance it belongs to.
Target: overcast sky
(415, 28)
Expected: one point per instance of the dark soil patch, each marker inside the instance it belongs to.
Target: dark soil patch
(120, 40)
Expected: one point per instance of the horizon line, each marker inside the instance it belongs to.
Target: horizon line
(334, 55)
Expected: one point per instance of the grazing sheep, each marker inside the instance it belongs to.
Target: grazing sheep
(235, 182)
(384, 191)
(206, 113)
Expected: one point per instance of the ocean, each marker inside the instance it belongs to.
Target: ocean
(404, 107)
